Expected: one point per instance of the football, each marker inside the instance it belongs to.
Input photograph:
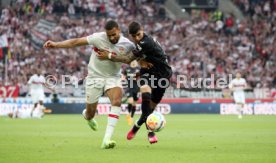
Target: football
(156, 122)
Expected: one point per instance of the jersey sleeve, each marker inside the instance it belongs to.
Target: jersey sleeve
(93, 39)
(129, 48)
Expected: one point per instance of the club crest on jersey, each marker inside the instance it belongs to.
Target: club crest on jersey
(121, 49)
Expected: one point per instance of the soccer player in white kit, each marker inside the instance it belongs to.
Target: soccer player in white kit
(237, 86)
(103, 76)
(37, 82)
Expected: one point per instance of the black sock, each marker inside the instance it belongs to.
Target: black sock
(150, 133)
(145, 108)
(129, 107)
(133, 111)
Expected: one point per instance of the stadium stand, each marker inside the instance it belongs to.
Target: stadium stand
(208, 43)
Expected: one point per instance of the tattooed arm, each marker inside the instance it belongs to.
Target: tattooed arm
(105, 55)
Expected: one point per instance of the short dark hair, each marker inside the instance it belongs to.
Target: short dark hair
(134, 27)
(110, 24)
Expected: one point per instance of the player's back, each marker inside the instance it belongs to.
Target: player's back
(106, 68)
(153, 53)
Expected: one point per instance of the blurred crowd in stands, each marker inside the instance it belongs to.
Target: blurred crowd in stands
(208, 43)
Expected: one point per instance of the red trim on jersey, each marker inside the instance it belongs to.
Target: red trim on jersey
(113, 116)
(96, 49)
(239, 85)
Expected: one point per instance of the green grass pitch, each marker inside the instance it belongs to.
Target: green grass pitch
(185, 138)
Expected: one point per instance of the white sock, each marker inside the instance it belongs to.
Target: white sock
(112, 120)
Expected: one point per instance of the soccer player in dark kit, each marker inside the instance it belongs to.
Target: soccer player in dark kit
(154, 74)
(132, 73)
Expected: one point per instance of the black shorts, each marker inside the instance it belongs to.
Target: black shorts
(133, 92)
(158, 86)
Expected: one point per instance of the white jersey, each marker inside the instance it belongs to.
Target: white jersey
(36, 83)
(238, 86)
(106, 68)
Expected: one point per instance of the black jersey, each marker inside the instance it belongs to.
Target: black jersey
(152, 52)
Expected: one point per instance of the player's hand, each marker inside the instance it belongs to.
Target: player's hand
(145, 64)
(50, 44)
(103, 54)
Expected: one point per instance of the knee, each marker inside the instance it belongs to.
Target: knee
(145, 89)
(130, 101)
(116, 102)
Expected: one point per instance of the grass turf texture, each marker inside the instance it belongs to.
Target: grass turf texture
(185, 138)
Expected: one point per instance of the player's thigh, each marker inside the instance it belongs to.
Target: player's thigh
(135, 92)
(135, 96)
(157, 94)
(115, 96)
(114, 90)
(41, 96)
(35, 97)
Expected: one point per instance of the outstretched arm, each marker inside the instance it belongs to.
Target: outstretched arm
(67, 43)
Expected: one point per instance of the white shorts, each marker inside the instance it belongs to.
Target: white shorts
(239, 97)
(95, 87)
(37, 96)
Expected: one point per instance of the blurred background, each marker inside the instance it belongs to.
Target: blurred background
(201, 38)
